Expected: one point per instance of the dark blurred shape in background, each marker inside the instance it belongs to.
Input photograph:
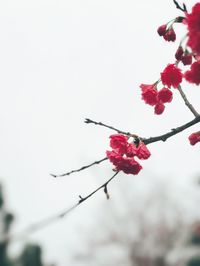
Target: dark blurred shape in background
(31, 254)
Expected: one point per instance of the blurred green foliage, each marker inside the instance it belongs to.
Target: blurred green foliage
(31, 254)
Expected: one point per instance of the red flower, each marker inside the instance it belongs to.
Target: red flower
(149, 94)
(179, 53)
(119, 143)
(170, 35)
(194, 138)
(123, 153)
(193, 22)
(165, 95)
(159, 108)
(193, 75)
(171, 76)
(131, 150)
(114, 157)
(186, 59)
(162, 30)
(129, 166)
(142, 151)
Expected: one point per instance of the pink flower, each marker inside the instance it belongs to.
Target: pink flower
(119, 143)
(165, 95)
(193, 75)
(171, 76)
(149, 94)
(194, 138)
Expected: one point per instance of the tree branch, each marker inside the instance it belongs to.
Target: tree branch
(80, 169)
(45, 222)
(184, 9)
(171, 133)
(187, 103)
(89, 121)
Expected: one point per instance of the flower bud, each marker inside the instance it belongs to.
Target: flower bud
(162, 30)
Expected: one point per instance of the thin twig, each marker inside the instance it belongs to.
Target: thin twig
(45, 222)
(187, 103)
(89, 121)
(184, 9)
(102, 186)
(80, 169)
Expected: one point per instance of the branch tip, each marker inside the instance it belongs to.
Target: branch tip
(184, 9)
(106, 192)
(53, 175)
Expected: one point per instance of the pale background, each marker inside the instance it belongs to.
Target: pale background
(60, 62)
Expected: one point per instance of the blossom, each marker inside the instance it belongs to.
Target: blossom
(123, 154)
(119, 143)
(159, 108)
(194, 138)
(131, 150)
(128, 166)
(142, 151)
(193, 23)
(139, 151)
(193, 75)
(113, 156)
(149, 94)
(171, 76)
(165, 95)
(170, 35)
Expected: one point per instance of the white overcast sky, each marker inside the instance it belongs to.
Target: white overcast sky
(60, 62)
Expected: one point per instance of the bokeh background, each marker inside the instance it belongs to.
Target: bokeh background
(64, 61)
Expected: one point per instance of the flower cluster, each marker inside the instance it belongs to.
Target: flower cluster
(156, 98)
(172, 75)
(168, 34)
(167, 30)
(123, 154)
